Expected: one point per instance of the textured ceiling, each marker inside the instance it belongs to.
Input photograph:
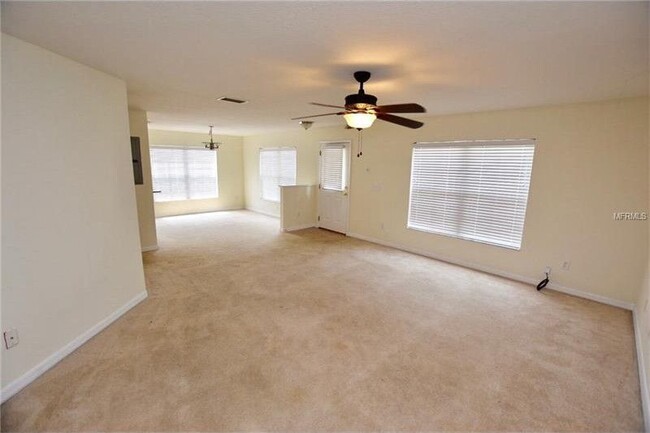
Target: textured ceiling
(178, 57)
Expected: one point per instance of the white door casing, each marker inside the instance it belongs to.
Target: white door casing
(333, 187)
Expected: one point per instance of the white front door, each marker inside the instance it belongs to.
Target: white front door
(333, 186)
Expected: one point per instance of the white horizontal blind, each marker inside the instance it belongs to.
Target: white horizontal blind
(332, 167)
(472, 190)
(277, 167)
(183, 173)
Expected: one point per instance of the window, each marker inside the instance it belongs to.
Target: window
(277, 167)
(332, 167)
(472, 190)
(184, 173)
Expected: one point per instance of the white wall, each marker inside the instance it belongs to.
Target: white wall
(70, 249)
(642, 328)
(230, 170)
(642, 319)
(144, 193)
(591, 160)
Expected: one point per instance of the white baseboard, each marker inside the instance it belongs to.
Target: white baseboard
(591, 296)
(263, 212)
(49, 362)
(149, 248)
(300, 227)
(225, 209)
(498, 272)
(643, 377)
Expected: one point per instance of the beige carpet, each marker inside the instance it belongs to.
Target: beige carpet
(248, 329)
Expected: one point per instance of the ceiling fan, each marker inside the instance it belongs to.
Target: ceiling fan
(361, 109)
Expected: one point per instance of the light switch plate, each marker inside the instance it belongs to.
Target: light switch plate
(11, 338)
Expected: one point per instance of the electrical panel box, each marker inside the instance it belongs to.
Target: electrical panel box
(137, 160)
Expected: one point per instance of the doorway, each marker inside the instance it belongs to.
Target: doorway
(333, 187)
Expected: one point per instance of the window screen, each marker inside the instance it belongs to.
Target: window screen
(184, 173)
(332, 167)
(472, 190)
(277, 167)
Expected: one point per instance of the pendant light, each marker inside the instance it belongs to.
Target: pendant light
(212, 145)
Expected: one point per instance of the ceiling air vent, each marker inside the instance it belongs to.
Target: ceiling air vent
(233, 100)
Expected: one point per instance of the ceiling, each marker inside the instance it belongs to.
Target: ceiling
(179, 57)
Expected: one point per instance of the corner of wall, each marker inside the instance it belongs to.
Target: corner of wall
(637, 318)
(21, 382)
(138, 127)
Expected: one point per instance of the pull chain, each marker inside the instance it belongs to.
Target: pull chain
(360, 145)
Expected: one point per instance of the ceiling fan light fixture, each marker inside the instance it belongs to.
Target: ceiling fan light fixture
(360, 120)
(361, 110)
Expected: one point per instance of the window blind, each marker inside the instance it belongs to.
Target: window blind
(277, 167)
(472, 190)
(183, 173)
(332, 167)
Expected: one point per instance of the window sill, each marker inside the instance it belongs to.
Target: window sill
(464, 238)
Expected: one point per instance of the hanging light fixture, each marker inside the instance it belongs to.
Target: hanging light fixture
(212, 145)
(360, 120)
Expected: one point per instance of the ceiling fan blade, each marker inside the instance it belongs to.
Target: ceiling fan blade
(402, 121)
(401, 108)
(325, 105)
(318, 115)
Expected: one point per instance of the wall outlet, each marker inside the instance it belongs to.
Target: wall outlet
(547, 270)
(566, 266)
(11, 338)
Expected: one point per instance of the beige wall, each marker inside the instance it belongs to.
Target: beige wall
(70, 249)
(591, 160)
(143, 193)
(229, 168)
(307, 144)
(298, 207)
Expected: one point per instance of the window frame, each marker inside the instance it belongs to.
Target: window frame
(468, 143)
(345, 175)
(259, 168)
(185, 147)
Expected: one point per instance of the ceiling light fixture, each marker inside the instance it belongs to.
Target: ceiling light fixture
(212, 145)
(361, 110)
(359, 120)
(306, 124)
